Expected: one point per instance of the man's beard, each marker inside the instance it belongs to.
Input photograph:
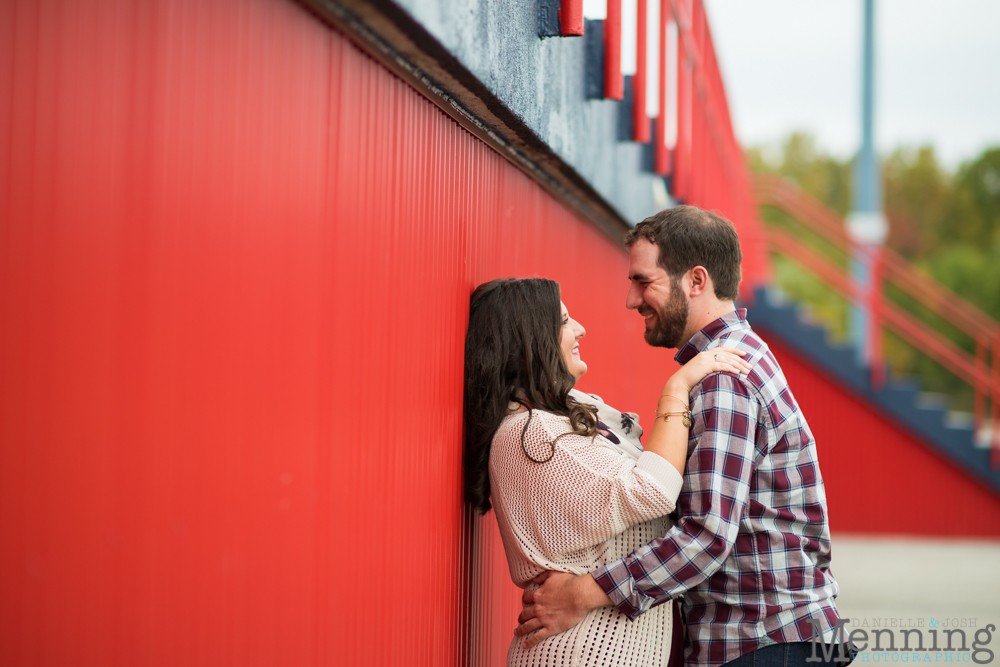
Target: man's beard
(671, 321)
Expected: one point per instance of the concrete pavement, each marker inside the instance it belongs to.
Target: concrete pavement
(918, 578)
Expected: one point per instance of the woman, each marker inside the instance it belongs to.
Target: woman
(572, 486)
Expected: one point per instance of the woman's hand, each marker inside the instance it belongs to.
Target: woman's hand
(669, 437)
(719, 359)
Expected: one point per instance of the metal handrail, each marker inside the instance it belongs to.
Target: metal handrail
(937, 347)
(974, 369)
(780, 193)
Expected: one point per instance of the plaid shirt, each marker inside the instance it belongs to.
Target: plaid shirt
(750, 552)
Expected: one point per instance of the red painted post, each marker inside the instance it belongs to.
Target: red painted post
(699, 102)
(682, 149)
(640, 121)
(875, 324)
(614, 83)
(979, 410)
(661, 156)
(995, 394)
(571, 18)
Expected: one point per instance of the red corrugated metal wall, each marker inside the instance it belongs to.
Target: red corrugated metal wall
(879, 479)
(235, 260)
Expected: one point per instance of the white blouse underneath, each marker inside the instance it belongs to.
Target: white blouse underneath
(594, 502)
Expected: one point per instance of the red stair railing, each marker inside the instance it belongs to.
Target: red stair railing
(888, 266)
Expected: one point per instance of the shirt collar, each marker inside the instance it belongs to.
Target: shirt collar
(734, 320)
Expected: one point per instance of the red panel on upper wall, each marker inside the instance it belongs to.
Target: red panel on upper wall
(878, 478)
(235, 262)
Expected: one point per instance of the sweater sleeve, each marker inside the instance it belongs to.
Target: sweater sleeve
(584, 495)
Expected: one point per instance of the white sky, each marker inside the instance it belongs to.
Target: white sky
(796, 65)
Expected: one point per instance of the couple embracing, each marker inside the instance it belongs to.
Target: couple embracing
(721, 518)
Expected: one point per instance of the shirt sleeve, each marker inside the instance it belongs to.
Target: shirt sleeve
(587, 493)
(711, 504)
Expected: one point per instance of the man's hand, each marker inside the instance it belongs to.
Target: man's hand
(561, 602)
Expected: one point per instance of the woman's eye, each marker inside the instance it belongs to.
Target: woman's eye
(566, 321)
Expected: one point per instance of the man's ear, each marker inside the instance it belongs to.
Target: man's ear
(699, 280)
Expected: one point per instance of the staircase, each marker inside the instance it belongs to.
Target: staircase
(925, 416)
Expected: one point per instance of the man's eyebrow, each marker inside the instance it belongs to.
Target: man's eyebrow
(638, 276)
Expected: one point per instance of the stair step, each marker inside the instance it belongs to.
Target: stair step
(927, 400)
(963, 421)
(984, 435)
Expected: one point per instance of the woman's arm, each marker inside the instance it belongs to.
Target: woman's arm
(669, 437)
(584, 495)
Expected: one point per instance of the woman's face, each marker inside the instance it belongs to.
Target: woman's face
(569, 343)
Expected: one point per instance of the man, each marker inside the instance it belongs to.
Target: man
(750, 552)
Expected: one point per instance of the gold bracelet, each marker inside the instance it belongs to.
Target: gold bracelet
(686, 414)
(686, 406)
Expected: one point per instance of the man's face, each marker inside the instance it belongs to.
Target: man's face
(658, 299)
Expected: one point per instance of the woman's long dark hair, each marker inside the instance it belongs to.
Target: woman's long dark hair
(512, 354)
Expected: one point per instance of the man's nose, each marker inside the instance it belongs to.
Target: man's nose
(633, 299)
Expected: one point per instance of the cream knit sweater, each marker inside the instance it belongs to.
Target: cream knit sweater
(593, 503)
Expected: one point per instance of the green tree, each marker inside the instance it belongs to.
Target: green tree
(917, 192)
(973, 217)
(971, 271)
(801, 161)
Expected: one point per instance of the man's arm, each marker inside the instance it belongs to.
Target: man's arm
(716, 491)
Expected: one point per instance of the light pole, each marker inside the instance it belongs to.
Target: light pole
(866, 224)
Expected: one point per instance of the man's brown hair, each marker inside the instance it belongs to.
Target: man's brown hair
(686, 237)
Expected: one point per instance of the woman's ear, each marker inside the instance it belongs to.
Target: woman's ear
(699, 280)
